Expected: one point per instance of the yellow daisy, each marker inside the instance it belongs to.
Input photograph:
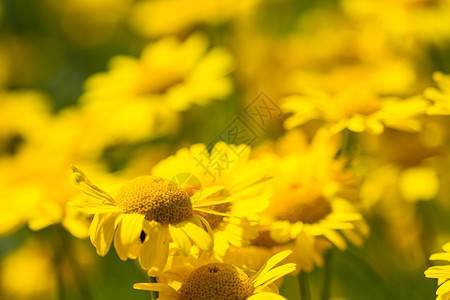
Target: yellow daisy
(143, 218)
(238, 188)
(355, 109)
(34, 189)
(158, 208)
(168, 77)
(225, 281)
(306, 211)
(442, 273)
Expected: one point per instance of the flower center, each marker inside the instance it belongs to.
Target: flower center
(307, 207)
(217, 281)
(158, 199)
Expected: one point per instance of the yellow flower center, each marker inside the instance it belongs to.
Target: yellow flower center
(158, 199)
(304, 206)
(217, 281)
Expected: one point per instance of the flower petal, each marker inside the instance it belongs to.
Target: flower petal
(80, 180)
(130, 229)
(198, 235)
(107, 225)
(266, 296)
(157, 287)
(180, 238)
(274, 274)
(272, 262)
(155, 250)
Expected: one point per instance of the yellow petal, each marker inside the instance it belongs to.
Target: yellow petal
(180, 238)
(155, 250)
(130, 229)
(273, 275)
(105, 232)
(94, 208)
(80, 180)
(335, 238)
(198, 235)
(157, 287)
(93, 228)
(272, 262)
(206, 192)
(266, 296)
(200, 221)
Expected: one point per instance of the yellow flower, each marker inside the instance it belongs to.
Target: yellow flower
(442, 273)
(238, 185)
(23, 115)
(141, 96)
(145, 216)
(156, 18)
(441, 96)
(355, 109)
(225, 281)
(33, 177)
(306, 207)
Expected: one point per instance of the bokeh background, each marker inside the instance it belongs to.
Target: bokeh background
(115, 86)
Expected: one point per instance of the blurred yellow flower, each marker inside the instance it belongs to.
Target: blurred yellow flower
(22, 116)
(442, 273)
(37, 151)
(141, 97)
(224, 281)
(305, 207)
(355, 109)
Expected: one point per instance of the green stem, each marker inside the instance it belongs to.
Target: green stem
(153, 295)
(327, 276)
(304, 285)
(348, 142)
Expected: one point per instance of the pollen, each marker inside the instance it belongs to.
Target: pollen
(158, 199)
(217, 281)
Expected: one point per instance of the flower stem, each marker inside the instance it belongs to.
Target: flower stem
(327, 276)
(304, 285)
(153, 295)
